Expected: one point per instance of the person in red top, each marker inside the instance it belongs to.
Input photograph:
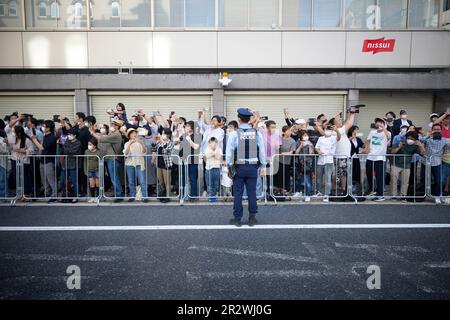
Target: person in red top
(444, 121)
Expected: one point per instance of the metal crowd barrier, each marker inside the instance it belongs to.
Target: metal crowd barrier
(66, 178)
(63, 178)
(9, 173)
(212, 186)
(142, 178)
(390, 176)
(438, 179)
(310, 176)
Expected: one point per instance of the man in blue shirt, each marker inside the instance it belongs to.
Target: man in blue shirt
(244, 157)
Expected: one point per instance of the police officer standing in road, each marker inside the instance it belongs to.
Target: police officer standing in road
(245, 156)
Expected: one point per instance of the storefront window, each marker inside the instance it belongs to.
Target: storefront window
(327, 13)
(135, 14)
(393, 13)
(362, 14)
(264, 14)
(105, 14)
(200, 13)
(423, 13)
(56, 14)
(169, 13)
(297, 13)
(233, 13)
(11, 14)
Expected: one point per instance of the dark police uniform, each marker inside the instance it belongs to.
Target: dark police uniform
(245, 154)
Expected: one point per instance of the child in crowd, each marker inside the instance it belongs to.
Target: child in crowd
(91, 168)
(213, 159)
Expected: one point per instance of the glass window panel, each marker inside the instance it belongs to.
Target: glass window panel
(327, 13)
(264, 14)
(102, 14)
(297, 13)
(393, 13)
(54, 9)
(169, 13)
(11, 14)
(73, 14)
(361, 14)
(39, 15)
(446, 5)
(136, 13)
(233, 13)
(200, 13)
(423, 13)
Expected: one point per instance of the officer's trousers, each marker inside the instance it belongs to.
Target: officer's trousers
(246, 175)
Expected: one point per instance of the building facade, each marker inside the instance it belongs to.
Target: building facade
(310, 56)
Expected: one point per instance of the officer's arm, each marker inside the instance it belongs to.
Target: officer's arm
(262, 149)
(231, 146)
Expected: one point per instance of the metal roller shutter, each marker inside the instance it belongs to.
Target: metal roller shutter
(40, 106)
(301, 105)
(418, 105)
(185, 105)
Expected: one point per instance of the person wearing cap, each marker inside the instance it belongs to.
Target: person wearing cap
(245, 155)
(70, 164)
(402, 121)
(134, 151)
(433, 118)
(112, 144)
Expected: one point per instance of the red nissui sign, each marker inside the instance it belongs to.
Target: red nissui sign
(378, 45)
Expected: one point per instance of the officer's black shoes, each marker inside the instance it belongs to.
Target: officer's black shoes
(252, 221)
(236, 222)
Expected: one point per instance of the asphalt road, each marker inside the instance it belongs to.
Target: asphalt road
(190, 253)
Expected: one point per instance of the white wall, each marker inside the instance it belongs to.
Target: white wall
(210, 49)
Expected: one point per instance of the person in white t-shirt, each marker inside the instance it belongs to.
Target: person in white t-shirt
(326, 148)
(376, 148)
(343, 148)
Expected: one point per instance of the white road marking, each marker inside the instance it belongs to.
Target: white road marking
(56, 257)
(255, 254)
(105, 248)
(226, 227)
(444, 264)
(192, 276)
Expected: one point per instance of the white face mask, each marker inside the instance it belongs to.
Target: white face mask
(328, 133)
(103, 131)
(112, 129)
(86, 124)
(404, 130)
(404, 116)
(70, 137)
(410, 142)
(305, 138)
(90, 147)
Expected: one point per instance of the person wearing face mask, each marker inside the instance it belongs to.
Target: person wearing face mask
(356, 145)
(112, 146)
(389, 117)
(283, 176)
(189, 153)
(401, 163)
(21, 150)
(326, 149)
(303, 166)
(376, 148)
(70, 165)
(4, 151)
(401, 135)
(402, 121)
(436, 146)
(48, 149)
(135, 151)
(91, 161)
(163, 162)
